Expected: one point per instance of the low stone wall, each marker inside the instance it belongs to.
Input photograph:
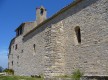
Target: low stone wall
(3, 74)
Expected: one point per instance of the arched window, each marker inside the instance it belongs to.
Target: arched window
(78, 34)
(34, 49)
(34, 46)
(17, 57)
(22, 51)
(41, 11)
(12, 63)
(16, 46)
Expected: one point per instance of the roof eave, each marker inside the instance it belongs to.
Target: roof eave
(19, 27)
(61, 11)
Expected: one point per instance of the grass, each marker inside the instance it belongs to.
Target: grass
(18, 78)
(76, 75)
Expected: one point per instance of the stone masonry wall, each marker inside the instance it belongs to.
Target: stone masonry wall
(57, 50)
(31, 60)
(91, 55)
(29, 26)
(54, 56)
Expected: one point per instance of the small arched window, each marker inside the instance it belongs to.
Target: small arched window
(16, 46)
(17, 57)
(41, 11)
(34, 46)
(22, 51)
(12, 63)
(78, 34)
(34, 49)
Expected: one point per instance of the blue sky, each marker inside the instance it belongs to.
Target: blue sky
(14, 12)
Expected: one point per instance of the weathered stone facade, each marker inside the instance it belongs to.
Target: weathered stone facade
(54, 48)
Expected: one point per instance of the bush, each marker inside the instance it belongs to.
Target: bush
(77, 75)
(35, 76)
(9, 71)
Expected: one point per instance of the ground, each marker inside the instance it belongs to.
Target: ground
(18, 78)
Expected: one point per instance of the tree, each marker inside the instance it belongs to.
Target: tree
(1, 69)
(9, 71)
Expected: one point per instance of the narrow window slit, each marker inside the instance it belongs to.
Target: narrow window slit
(78, 34)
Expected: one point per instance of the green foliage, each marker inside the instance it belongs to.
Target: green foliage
(77, 75)
(9, 71)
(35, 76)
(65, 76)
(41, 76)
(1, 69)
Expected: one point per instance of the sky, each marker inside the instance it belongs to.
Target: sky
(15, 12)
